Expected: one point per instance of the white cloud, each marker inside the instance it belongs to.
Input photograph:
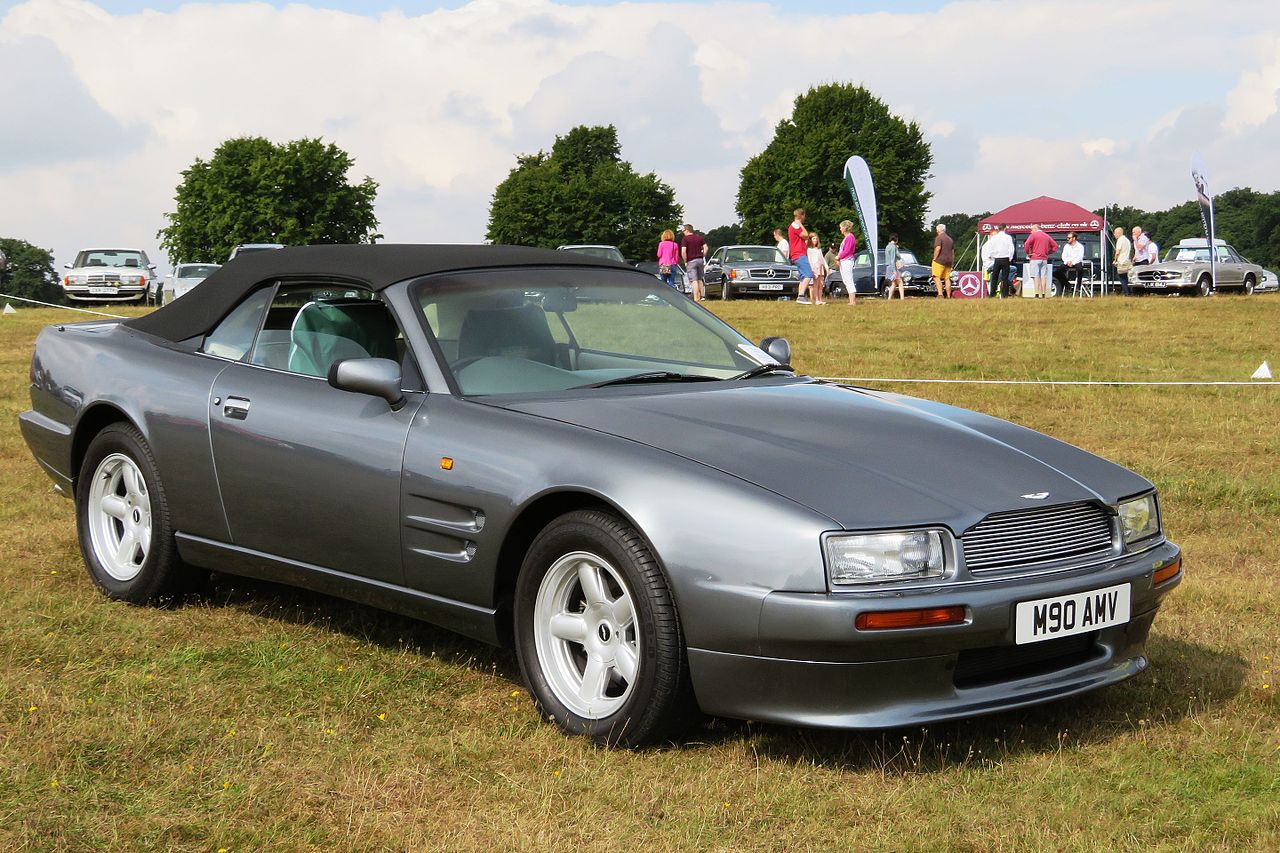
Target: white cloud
(436, 106)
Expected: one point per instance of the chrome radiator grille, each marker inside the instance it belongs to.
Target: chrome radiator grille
(1027, 538)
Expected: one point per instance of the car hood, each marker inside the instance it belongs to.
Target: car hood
(863, 459)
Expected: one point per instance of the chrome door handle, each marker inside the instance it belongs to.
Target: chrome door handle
(236, 407)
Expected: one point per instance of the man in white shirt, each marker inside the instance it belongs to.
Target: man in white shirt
(1000, 249)
(784, 248)
(1073, 260)
(1123, 259)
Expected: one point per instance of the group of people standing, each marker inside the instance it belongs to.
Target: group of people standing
(804, 249)
(690, 251)
(1142, 250)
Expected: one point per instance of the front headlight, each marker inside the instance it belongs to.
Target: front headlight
(1139, 518)
(130, 279)
(77, 279)
(906, 276)
(795, 273)
(880, 557)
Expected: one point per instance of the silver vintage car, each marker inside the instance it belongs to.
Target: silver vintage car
(1186, 269)
(750, 271)
(560, 453)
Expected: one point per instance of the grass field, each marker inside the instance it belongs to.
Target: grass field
(259, 717)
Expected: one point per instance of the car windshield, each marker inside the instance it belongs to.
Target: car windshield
(609, 253)
(753, 255)
(863, 259)
(1188, 254)
(195, 270)
(527, 331)
(111, 258)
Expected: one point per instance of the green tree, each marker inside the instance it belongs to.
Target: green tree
(254, 191)
(961, 226)
(582, 192)
(725, 235)
(804, 167)
(29, 272)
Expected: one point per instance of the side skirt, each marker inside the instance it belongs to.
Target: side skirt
(479, 623)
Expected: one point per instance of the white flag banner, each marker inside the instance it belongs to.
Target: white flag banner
(1204, 197)
(858, 176)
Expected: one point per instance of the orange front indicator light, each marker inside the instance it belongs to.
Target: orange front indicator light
(1169, 572)
(446, 462)
(884, 620)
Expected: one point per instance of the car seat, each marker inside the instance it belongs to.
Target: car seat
(517, 332)
(326, 332)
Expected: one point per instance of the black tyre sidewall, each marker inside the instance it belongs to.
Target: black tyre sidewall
(161, 571)
(656, 696)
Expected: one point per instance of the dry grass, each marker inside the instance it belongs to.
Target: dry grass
(264, 718)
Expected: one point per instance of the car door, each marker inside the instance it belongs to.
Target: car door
(714, 273)
(1230, 268)
(308, 472)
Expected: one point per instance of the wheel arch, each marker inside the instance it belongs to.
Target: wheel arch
(532, 518)
(96, 418)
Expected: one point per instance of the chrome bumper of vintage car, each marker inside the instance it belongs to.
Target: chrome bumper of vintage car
(814, 668)
(105, 294)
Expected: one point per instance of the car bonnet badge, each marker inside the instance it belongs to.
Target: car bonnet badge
(1036, 496)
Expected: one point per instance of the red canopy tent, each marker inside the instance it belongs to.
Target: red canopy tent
(1051, 214)
(1056, 217)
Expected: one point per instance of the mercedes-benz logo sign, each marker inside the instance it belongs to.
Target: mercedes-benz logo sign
(772, 273)
(1035, 496)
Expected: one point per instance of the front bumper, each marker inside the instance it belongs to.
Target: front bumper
(815, 669)
(131, 293)
(764, 287)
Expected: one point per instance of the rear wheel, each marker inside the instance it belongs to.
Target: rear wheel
(122, 517)
(597, 634)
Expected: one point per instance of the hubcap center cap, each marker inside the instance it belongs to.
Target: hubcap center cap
(137, 516)
(604, 633)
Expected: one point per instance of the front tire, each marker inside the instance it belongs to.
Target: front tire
(1250, 285)
(1204, 286)
(597, 634)
(123, 522)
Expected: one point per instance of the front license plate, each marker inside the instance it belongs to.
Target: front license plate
(1050, 618)
(102, 291)
(774, 285)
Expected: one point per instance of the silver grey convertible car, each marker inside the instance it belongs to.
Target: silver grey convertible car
(560, 453)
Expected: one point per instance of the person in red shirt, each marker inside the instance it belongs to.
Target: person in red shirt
(798, 240)
(1039, 247)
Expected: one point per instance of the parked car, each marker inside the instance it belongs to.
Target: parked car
(507, 442)
(109, 275)
(184, 277)
(915, 276)
(682, 278)
(248, 248)
(609, 253)
(1186, 269)
(734, 271)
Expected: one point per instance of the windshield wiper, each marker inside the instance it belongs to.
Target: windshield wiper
(651, 376)
(761, 370)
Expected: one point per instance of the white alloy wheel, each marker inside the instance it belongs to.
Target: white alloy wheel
(585, 635)
(119, 516)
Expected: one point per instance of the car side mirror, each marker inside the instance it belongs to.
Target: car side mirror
(778, 349)
(67, 267)
(377, 377)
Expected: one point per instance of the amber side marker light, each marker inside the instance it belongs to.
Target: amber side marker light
(923, 618)
(1167, 573)
(446, 462)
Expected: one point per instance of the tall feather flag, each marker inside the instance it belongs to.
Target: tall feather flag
(1204, 197)
(858, 176)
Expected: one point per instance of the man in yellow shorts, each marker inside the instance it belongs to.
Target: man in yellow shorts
(944, 258)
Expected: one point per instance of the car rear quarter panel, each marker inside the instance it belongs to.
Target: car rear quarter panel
(84, 376)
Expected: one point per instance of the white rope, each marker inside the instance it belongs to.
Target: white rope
(66, 307)
(1030, 381)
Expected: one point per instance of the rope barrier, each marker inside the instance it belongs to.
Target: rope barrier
(66, 307)
(1033, 381)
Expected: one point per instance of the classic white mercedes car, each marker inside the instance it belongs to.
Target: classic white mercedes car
(109, 275)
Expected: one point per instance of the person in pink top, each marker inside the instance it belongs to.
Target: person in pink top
(848, 246)
(1039, 247)
(668, 257)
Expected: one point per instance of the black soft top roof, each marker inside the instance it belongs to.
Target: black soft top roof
(377, 267)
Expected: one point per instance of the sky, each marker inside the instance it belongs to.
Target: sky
(102, 105)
